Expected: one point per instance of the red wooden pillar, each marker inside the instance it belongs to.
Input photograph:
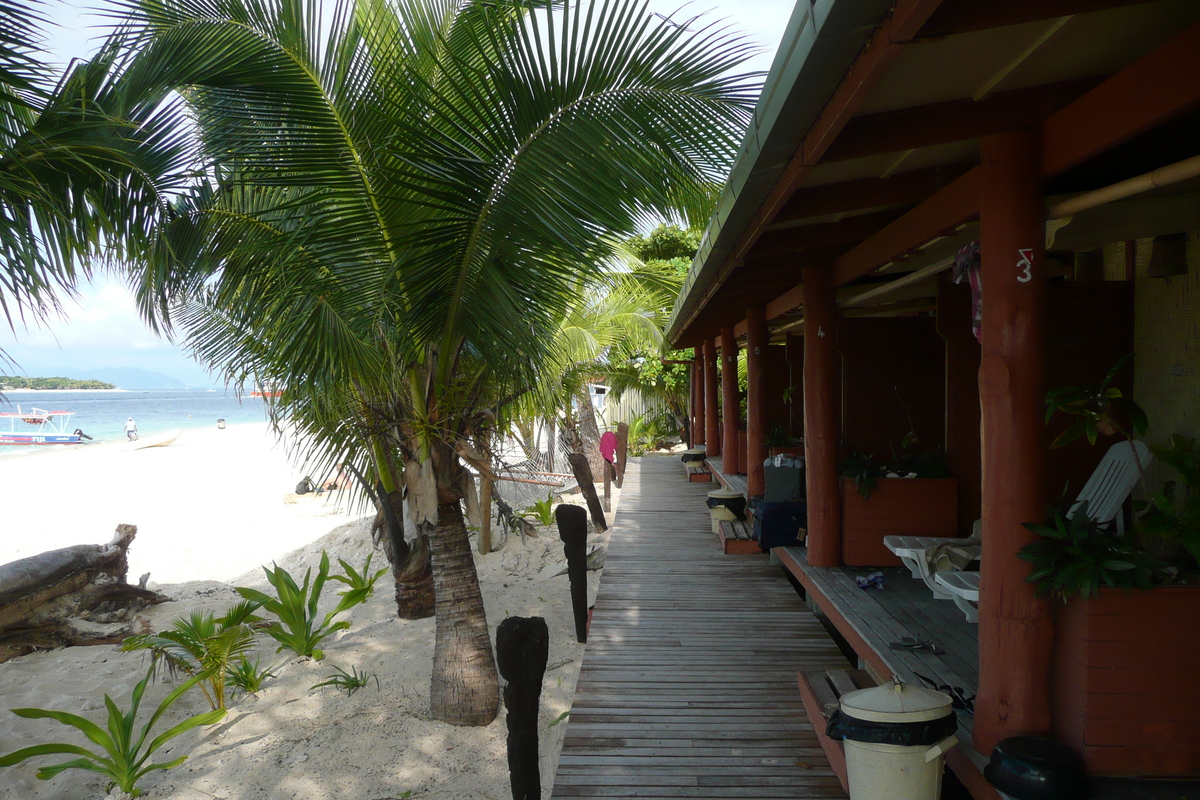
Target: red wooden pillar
(1016, 632)
(821, 409)
(756, 432)
(712, 432)
(698, 398)
(731, 411)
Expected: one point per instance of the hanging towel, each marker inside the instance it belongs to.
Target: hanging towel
(966, 266)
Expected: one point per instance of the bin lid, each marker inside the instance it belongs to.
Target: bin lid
(701, 450)
(896, 702)
(725, 494)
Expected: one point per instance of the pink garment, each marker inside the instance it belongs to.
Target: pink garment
(608, 446)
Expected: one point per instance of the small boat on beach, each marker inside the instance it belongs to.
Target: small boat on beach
(38, 426)
(161, 440)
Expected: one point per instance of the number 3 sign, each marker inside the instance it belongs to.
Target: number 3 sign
(1025, 264)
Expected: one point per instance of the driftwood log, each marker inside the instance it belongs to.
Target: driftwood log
(73, 596)
(583, 476)
(572, 529)
(522, 648)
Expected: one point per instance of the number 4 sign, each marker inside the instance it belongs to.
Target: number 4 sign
(1025, 264)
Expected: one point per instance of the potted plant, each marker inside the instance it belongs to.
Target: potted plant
(1126, 660)
(780, 442)
(912, 495)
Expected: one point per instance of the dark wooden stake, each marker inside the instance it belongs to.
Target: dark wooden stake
(572, 529)
(609, 470)
(583, 476)
(522, 648)
(622, 451)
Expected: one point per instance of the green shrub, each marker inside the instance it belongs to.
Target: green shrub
(363, 583)
(249, 677)
(542, 511)
(122, 758)
(296, 608)
(203, 645)
(351, 681)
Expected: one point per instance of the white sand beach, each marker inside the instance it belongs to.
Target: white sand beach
(210, 509)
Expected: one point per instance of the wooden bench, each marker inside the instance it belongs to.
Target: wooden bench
(819, 691)
(738, 538)
(697, 473)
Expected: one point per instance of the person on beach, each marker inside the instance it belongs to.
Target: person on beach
(131, 430)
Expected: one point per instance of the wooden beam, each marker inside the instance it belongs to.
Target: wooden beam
(859, 195)
(1156, 87)
(937, 216)
(884, 46)
(953, 121)
(811, 237)
(964, 16)
(904, 280)
(792, 298)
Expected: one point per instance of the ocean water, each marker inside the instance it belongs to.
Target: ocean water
(102, 414)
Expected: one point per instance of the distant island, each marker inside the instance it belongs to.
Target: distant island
(13, 382)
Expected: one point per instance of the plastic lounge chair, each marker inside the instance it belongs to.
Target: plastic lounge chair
(1105, 494)
(912, 550)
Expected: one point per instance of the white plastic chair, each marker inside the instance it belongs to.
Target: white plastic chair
(1105, 493)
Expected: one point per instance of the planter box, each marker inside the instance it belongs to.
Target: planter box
(898, 506)
(1126, 680)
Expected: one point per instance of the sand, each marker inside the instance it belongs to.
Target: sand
(288, 741)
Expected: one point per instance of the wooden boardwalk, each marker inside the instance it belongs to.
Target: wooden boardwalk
(688, 686)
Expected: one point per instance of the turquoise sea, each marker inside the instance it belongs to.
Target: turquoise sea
(102, 415)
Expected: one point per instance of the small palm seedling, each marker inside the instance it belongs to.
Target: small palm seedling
(202, 644)
(296, 608)
(541, 511)
(363, 583)
(351, 681)
(249, 677)
(1078, 555)
(124, 752)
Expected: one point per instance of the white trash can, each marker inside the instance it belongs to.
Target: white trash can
(694, 457)
(727, 505)
(896, 737)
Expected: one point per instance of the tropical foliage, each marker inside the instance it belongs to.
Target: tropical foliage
(295, 606)
(400, 203)
(123, 750)
(203, 645)
(1076, 555)
(86, 169)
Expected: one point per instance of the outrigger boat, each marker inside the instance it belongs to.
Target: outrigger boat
(38, 426)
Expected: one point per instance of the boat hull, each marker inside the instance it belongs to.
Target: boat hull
(38, 438)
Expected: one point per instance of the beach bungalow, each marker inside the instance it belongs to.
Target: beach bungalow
(943, 209)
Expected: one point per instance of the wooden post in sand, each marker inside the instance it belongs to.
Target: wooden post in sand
(622, 451)
(572, 529)
(583, 476)
(485, 515)
(609, 469)
(522, 648)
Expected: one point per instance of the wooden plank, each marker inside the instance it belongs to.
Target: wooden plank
(687, 684)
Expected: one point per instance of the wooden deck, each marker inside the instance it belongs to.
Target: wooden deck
(688, 686)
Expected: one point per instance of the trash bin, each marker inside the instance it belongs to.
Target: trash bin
(726, 505)
(221, 424)
(896, 736)
(694, 456)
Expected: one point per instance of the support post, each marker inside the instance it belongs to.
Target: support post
(572, 530)
(622, 451)
(522, 649)
(730, 407)
(1016, 632)
(756, 402)
(712, 430)
(821, 411)
(587, 487)
(698, 423)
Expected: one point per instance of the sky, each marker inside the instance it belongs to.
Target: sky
(101, 327)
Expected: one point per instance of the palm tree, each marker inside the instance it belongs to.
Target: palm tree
(86, 169)
(400, 201)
